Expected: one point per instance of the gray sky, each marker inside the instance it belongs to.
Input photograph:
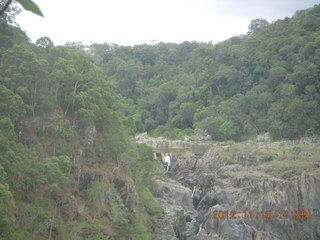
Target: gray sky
(132, 22)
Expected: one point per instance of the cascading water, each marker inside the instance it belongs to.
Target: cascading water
(200, 228)
(194, 189)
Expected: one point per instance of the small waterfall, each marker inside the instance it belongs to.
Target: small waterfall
(194, 189)
(200, 228)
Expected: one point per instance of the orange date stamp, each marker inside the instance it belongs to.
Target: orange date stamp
(266, 214)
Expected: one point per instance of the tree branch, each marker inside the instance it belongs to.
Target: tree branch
(5, 7)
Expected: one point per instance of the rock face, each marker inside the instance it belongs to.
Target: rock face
(201, 135)
(177, 204)
(258, 206)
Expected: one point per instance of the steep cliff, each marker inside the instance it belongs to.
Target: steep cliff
(271, 191)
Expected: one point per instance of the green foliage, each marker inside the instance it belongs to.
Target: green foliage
(8, 146)
(81, 230)
(56, 169)
(30, 6)
(33, 216)
(296, 150)
(267, 158)
(228, 130)
(56, 104)
(44, 42)
(140, 232)
(6, 128)
(11, 105)
(6, 221)
(152, 207)
(3, 174)
(103, 199)
(98, 237)
(171, 132)
(143, 170)
(257, 24)
(60, 114)
(160, 131)
(264, 81)
(86, 117)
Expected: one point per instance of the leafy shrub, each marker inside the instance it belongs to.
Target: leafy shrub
(56, 169)
(267, 158)
(140, 232)
(5, 204)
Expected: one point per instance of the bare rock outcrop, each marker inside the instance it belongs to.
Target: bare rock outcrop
(275, 207)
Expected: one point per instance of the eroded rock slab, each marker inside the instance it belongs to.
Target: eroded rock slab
(230, 187)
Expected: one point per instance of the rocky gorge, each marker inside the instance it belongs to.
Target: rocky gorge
(256, 190)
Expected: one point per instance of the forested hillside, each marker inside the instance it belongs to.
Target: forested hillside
(68, 169)
(266, 80)
(68, 166)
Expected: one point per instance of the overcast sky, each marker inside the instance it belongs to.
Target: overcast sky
(132, 22)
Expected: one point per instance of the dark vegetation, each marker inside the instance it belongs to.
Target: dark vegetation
(68, 169)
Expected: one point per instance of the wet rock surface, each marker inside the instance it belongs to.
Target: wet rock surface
(202, 185)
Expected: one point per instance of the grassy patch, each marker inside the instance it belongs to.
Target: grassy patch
(280, 159)
(317, 171)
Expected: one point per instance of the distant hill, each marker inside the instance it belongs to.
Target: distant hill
(264, 81)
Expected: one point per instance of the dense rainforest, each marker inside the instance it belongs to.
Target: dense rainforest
(68, 166)
(264, 81)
